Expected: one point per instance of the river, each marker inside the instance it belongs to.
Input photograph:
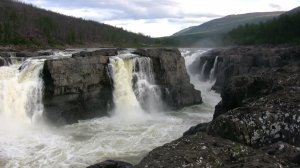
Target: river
(126, 134)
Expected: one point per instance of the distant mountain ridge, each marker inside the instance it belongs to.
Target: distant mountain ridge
(211, 33)
(229, 22)
(293, 11)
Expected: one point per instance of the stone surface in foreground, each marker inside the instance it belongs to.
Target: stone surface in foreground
(202, 150)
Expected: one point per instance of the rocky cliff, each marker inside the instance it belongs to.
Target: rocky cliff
(257, 122)
(79, 87)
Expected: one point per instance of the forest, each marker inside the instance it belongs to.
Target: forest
(284, 29)
(24, 24)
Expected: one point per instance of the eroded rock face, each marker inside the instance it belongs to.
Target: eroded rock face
(202, 150)
(170, 73)
(76, 88)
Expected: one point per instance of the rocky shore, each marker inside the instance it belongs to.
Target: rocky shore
(257, 122)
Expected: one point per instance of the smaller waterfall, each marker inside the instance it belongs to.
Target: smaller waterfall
(134, 85)
(147, 93)
(125, 101)
(21, 92)
(202, 75)
(213, 70)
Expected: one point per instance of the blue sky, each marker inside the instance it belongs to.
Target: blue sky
(159, 17)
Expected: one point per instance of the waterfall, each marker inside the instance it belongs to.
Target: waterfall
(213, 70)
(21, 92)
(124, 98)
(148, 94)
(134, 84)
(202, 75)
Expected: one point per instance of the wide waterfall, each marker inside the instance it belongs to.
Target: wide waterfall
(128, 134)
(21, 92)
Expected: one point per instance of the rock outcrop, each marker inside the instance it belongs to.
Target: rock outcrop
(80, 88)
(244, 60)
(266, 114)
(76, 88)
(171, 75)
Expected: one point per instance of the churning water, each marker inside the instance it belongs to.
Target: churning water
(128, 134)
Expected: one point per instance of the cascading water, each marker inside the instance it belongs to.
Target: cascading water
(213, 70)
(148, 94)
(91, 141)
(124, 97)
(134, 84)
(21, 92)
(202, 74)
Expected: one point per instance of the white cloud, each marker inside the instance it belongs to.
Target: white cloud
(157, 27)
(159, 18)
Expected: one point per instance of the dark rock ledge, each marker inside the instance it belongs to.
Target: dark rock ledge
(257, 123)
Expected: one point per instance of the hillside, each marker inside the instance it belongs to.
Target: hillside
(227, 23)
(282, 30)
(293, 11)
(211, 33)
(24, 24)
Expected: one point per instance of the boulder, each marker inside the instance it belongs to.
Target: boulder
(171, 75)
(111, 164)
(202, 150)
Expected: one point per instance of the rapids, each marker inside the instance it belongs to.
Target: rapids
(128, 134)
